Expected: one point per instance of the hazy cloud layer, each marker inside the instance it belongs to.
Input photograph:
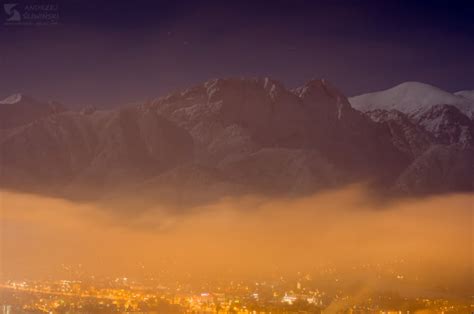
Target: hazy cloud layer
(241, 236)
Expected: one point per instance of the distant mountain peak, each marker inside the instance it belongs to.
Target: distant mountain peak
(323, 93)
(469, 94)
(318, 86)
(411, 98)
(15, 98)
(417, 85)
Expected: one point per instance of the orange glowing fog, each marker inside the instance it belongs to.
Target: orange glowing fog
(246, 236)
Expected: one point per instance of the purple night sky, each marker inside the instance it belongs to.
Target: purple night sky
(113, 52)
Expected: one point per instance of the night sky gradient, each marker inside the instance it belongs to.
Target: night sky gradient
(110, 53)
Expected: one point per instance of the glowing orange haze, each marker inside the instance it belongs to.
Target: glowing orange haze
(248, 235)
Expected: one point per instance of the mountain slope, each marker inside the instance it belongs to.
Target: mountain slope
(441, 169)
(435, 127)
(469, 94)
(229, 117)
(448, 125)
(19, 109)
(406, 135)
(95, 151)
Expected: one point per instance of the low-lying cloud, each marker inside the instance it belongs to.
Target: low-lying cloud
(243, 236)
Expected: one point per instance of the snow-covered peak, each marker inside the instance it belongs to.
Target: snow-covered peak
(12, 99)
(469, 94)
(412, 98)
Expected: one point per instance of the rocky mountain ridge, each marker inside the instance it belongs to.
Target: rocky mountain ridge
(228, 136)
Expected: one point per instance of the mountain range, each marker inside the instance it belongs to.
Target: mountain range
(239, 135)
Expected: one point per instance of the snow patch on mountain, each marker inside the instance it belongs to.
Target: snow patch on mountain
(469, 94)
(412, 98)
(12, 99)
